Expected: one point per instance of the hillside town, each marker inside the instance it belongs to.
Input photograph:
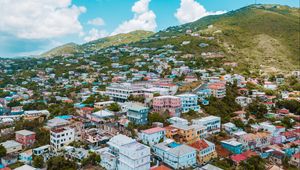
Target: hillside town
(146, 108)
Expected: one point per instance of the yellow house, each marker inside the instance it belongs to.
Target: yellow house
(184, 133)
(205, 151)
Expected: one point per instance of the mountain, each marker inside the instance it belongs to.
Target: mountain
(259, 37)
(100, 43)
(117, 40)
(64, 49)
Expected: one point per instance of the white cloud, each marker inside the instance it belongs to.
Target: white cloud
(40, 19)
(95, 34)
(143, 19)
(96, 22)
(191, 10)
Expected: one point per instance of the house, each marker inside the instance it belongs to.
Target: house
(189, 102)
(218, 89)
(100, 115)
(41, 150)
(125, 153)
(243, 101)
(230, 127)
(57, 123)
(26, 156)
(232, 145)
(295, 160)
(11, 146)
(242, 157)
(178, 120)
(137, 114)
(289, 136)
(101, 105)
(277, 157)
(134, 156)
(171, 104)
(255, 140)
(205, 151)
(175, 155)
(121, 92)
(153, 136)
(185, 133)
(9, 159)
(25, 137)
(270, 85)
(61, 137)
(211, 123)
(73, 153)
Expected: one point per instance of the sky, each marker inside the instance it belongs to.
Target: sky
(30, 27)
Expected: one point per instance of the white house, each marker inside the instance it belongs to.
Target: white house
(61, 137)
(211, 123)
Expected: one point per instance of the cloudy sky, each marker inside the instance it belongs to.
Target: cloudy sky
(33, 26)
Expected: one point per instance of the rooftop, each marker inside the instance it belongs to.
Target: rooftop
(153, 130)
(25, 132)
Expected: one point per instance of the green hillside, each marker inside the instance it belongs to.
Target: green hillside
(259, 37)
(117, 40)
(64, 49)
(100, 43)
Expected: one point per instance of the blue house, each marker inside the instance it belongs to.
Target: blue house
(233, 146)
(137, 114)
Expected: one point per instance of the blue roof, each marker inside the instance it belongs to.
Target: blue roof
(64, 117)
(174, 145)
(2, 166)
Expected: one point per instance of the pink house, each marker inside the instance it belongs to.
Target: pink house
(25, 137)
(172, 104)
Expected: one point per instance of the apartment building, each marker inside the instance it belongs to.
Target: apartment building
(170, 104)
(153, 135)
(177, 156)
(137, 114)
(125, 153)
(218, 89)
(185, 133)
(121, 92)
(25, 137)
(205, 151)
(61, 137)
(189, 102)
(211, 123)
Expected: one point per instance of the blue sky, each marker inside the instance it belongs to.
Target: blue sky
(28, 27)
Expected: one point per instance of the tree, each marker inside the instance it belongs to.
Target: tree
(2, 151)
(59, 162)
(38, 162)
(287, 122)
(92, 159)
(258, 109)
(114, 107)
(253, 163)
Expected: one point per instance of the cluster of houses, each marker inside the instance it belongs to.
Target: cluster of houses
(138, 90)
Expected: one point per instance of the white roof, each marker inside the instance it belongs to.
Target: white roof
(120, 140)
(232, 142)
(25, 132)
(25, 167)
(10, 144)
(103, 114)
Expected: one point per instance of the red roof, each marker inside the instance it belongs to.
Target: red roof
(283, 111)
(243, 156)
(153, 130)
(199, 145)
(238, 158)
(161, 167)
(297, 155)
(87, 109)
(289, 134)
